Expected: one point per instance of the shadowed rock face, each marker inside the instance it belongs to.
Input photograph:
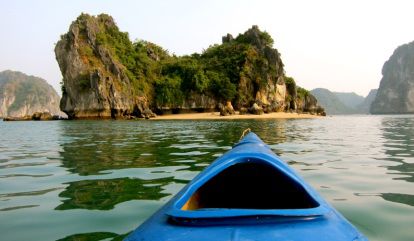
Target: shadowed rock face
(23, 95)
(396, 92)
(105, 75)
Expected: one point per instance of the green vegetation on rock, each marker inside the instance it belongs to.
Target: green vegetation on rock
(168, 91)
(143, 74)
(302, 93)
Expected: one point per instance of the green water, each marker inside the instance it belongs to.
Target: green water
(98, 180)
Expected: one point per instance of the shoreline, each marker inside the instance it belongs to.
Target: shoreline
(190, 116)
(216, 116)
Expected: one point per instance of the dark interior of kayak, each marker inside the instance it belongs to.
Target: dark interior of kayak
(250, 185)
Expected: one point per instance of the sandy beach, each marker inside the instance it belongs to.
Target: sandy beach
(216, 116)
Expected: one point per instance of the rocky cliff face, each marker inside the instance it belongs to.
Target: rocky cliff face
(105, 75)
(22, 95)
(396, 91)
(262, 75)
(95, 82)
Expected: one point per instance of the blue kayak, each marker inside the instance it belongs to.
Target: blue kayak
(249, 193)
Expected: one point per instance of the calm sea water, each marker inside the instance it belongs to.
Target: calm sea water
(98, 180)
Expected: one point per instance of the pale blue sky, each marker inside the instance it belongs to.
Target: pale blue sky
(339, 45)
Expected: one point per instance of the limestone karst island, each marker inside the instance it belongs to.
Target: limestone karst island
(27, 97)
(105, 75)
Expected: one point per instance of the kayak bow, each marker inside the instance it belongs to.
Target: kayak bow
(249, 193)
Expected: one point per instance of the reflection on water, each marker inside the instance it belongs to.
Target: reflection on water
(94, 236)
(399, 136)
(32, 193)
(98, 180)
(94, 147)
(105, 194)
(407, 169)
(18, 207)
(406, 199)
(399, 198)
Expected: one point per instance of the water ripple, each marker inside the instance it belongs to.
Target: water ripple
(89, 175)
(30, 193)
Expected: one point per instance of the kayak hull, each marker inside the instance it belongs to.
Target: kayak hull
(318, 221)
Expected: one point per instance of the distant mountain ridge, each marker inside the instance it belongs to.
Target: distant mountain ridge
(343, 103)
(332, 104)
(22, 95)
(350, 99)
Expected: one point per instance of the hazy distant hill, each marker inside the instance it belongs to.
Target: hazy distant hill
(350, 99)
(344, 103)
(364, 107)
(22, 95)
(330, 101)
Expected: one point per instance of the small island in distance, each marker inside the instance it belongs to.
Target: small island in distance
(105, 75)
(24, 97)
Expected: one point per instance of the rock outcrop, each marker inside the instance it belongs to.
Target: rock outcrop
(396, 91)
(301, 100)
(227, 109)
(105, 75)
(262, 74)
(256, 109)
(95, 82)
(22, 95)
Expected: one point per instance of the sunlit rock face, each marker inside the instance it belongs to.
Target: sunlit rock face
(95, 83)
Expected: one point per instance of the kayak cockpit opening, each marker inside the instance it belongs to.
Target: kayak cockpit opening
(252, 184)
